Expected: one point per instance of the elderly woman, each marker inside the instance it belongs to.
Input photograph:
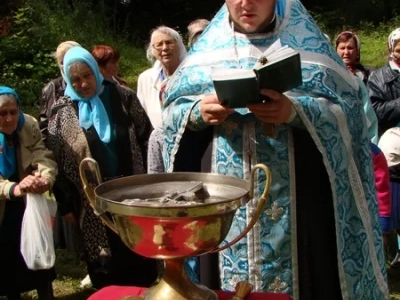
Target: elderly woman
(166, 51)
(390, 146)
(195, 29)
(97, 118)
(55, 88)
(348, 47)
(384, 91)
(384, 86)
(26, 166)
(108, 60)
(66, 231)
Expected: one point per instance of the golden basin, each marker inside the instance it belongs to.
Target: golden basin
(151, 223)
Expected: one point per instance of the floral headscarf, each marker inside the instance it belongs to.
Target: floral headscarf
(393, 38)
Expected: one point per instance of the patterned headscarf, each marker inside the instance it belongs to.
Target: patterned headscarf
(8, 164)
(350, 35)
(394, 37)
(91, 110)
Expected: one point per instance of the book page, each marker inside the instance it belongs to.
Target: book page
(273, 48)
(229, 74)
(280, 55)
(276, 52)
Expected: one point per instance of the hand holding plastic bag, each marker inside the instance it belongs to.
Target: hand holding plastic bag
(37, 246)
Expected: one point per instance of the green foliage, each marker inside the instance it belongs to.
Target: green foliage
(25, 58)
(373, 37)
(27, 64)
(26, 53)
(374, 51)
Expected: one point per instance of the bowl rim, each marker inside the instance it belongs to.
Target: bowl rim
(200, 209)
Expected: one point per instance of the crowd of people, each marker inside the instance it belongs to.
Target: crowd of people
(334, 155)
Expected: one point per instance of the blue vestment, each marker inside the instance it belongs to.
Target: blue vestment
(329, 105)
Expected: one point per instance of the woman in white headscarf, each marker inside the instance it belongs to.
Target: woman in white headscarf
(390, 146)
(384, 86)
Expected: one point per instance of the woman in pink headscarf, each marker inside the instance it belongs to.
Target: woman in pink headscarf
(348, 47)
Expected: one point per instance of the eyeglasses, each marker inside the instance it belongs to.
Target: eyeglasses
(159, 45)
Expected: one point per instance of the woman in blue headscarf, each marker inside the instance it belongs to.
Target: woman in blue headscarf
(26, 166)
(100, 119)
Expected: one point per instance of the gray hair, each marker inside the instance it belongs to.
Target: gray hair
(62, 49)
(173, 34)
(60, 53)
(6, 98)
(195, 28)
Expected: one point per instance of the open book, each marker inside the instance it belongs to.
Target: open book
(279, 69)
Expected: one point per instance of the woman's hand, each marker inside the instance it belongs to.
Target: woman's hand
(31, 184)
(44, 185)
(212, 112)
(276, 110)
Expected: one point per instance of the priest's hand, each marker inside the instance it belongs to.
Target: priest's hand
(212, 112)
(275, 110)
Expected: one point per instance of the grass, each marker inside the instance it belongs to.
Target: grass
(70, 272)
(394, 284)
(373, 50)
(373, 39)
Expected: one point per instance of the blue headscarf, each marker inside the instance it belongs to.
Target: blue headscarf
(8, 164)
(91, 110)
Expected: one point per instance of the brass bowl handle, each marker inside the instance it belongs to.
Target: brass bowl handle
(89, 190)
(261, 202)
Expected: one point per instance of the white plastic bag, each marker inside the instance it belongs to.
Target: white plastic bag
(37, 246)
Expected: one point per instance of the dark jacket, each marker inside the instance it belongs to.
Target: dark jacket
(71, 144)
(125, 155)
(51, 92)
(366, 72)
(384, 92)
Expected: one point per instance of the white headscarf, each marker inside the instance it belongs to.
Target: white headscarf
(390, 146)
(394, 36)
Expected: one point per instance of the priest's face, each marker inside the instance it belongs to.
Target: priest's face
(251, 16)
